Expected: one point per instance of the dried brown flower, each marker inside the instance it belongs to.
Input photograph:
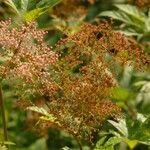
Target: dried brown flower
(70, 9)
(86, 74)
(141, 3)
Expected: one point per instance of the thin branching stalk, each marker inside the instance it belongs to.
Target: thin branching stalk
(131, 111)
(2, 107)
(78, 142)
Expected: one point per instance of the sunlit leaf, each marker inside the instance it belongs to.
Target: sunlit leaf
(24, 5)
(65, 148)
(117, 15)
(148, 22)
(108, 145)
(7, 143)
(3, 147)
(121, 126)
(42, 7)
(43, 112)
(34, 14)
(131, 143)
(132, 11)
(120, 94)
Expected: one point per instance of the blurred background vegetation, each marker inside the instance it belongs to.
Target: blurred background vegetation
(62, 18)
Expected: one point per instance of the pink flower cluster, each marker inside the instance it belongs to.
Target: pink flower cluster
(25, 54)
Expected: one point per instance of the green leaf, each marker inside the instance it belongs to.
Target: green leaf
(131, 143)
(121, 126)
(42, 7)
(3, 147)
(143, 97)
(40, 144)
(128, 14)
(120, 94)
(108, 145)
(8, 143)
(48, 3)
(118, 16)
(11, 4)
(24, 5)
(133, 131)
(129, 31)
(65, 148)
(147, 22)
(127, 75)
(139, 83)
(34, 14)
(43, 112)
(139, 130)
(132, 11)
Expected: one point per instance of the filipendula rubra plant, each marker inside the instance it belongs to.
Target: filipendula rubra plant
(73, 83)
(86, 73)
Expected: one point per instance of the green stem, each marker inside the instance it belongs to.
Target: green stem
(2, 107)
(131, 111)
(78, 142)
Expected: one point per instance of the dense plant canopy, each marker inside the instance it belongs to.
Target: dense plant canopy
(74, 74)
